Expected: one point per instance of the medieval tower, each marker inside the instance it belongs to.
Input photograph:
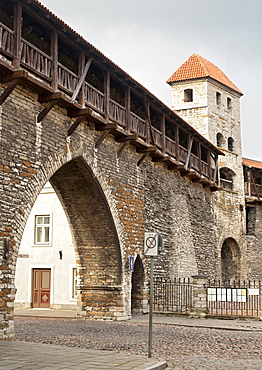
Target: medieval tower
(207, 99)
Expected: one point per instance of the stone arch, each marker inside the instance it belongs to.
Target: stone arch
(95, 238)
(138, 296)
(96, 231)
(230, 260)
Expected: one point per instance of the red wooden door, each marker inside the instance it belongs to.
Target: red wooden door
(41, 288)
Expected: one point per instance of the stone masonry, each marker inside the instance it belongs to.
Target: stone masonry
(109, 203)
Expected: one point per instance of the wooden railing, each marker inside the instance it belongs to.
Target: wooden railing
(138, 125)
(194, 162)
(226, 184)
(206, 170)
(117, 112)
(6, 39)
(182, 154)
(253, 190)
(35, 58)
(158, 138)
(94, 98)
(42, 64)
(170, 147)
(67, 79)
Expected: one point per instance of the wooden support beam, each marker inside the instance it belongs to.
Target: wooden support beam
(122, 147)
(46, 110)
(76, 124)
(102, 137)
(204, 181)
(14, 82)
(111, 126)
(142, 158)
(194, 176)
(127, 138)
(81, 79)
(79, 112)
(126, 141)
(149, 149)
(14, 75)
(190, 143)
(148, 120)
(48, 97)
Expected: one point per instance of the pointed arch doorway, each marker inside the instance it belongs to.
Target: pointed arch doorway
(138, 293)
(230, 260)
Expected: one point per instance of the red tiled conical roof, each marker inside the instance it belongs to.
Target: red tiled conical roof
(199, 67)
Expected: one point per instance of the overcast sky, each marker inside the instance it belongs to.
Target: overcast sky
(150, 39)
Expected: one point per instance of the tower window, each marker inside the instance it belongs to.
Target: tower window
(220, 140)
(230, 144)
(188, 95)
(218, 98)
(229, 103)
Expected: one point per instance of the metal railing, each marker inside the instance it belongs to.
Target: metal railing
(172, 295)
(234, 298)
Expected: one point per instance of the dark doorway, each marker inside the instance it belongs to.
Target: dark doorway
(230, 260)
(137, 292)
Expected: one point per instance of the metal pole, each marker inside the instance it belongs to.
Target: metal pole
(150, 307)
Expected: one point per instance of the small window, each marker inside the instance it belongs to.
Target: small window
(229, 103)
(218, 98)
(226, 178)
(220, 140)
(43, 230)
(230, 144)
(188, 95)
(74, 282)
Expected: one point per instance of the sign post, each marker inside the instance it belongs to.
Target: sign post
(153, 244)
(151, 307)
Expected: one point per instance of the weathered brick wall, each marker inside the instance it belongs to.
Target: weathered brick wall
(109, 203)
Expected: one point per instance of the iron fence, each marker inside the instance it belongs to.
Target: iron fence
(234, 298)
(172, 295)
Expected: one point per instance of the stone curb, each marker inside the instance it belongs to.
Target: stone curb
(159, 366)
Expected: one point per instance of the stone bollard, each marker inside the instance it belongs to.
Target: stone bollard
(199, 296)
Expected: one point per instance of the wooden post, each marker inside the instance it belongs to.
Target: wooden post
(163, 133)
(128, 117)
(81, 66)
(177, 143)
(107, 95)
(54, 55)
(17, 34)
(199, 158)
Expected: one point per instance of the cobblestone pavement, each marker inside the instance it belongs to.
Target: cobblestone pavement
(186, 348)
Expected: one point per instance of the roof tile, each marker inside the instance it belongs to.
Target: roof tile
(252, 163)
(198, 67)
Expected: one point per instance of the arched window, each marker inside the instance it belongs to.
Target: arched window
(226, 178)
(230, 144)
(188, 95)
(220, 140)
(229, 103)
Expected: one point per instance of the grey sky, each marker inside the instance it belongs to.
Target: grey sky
(150, 39)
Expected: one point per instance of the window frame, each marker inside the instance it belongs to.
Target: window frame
(73, 281)
(42, 225)
(188, 95)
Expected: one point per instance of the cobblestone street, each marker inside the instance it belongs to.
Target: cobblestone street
(183, 347)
